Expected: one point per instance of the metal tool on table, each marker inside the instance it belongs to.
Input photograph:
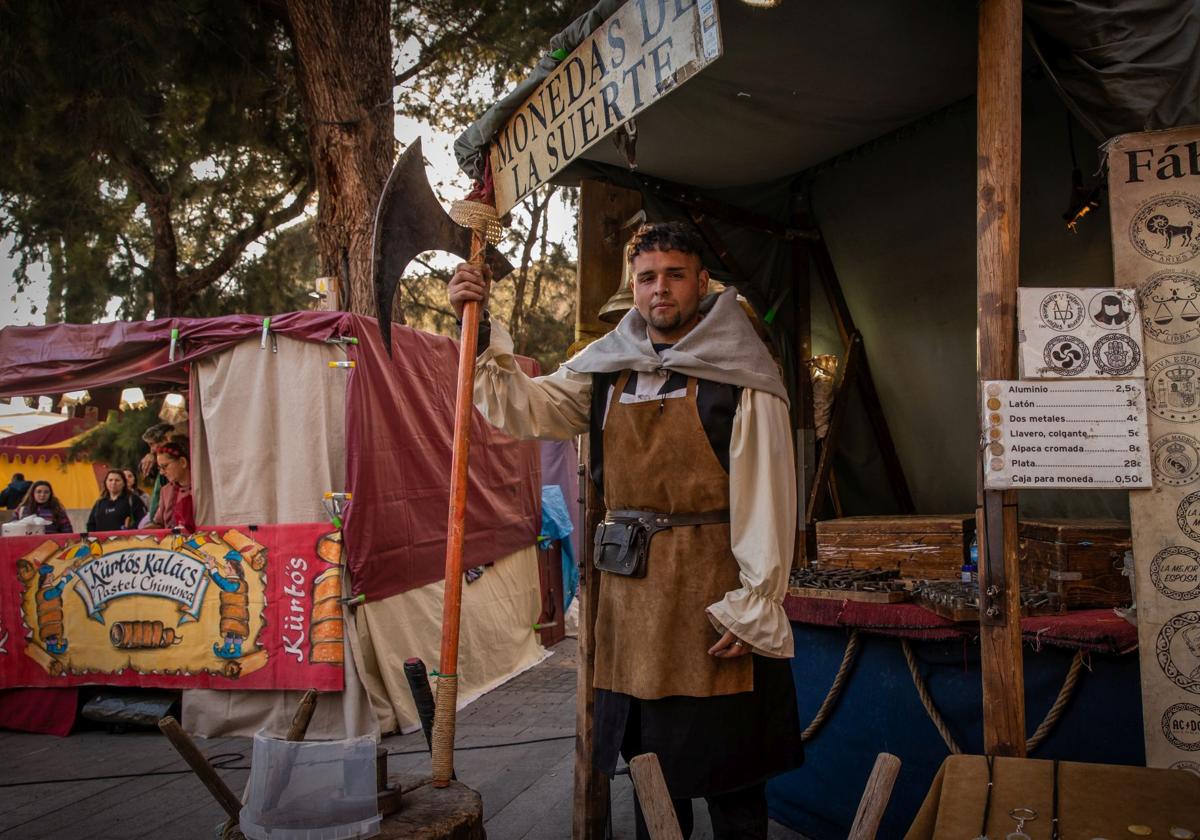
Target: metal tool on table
(856, 580)
(960, 601)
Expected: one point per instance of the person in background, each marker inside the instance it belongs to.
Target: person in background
(41, 501)
(155, 435)
(12, 495)
(118, 508)
(132, 484)
(174, 462)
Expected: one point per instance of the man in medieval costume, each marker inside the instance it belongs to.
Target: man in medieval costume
(691, 444)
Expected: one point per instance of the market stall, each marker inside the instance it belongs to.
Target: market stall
(830, 158)
(280, 418)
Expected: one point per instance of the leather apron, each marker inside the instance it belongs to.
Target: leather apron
(652, 633)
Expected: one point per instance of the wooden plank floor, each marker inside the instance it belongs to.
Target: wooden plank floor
(526, 786)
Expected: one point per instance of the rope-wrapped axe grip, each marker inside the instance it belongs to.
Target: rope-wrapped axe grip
(485, 227)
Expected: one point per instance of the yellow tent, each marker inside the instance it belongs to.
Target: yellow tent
(43, 455)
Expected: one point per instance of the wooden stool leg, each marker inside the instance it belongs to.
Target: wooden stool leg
(654, 797)
(875, 797)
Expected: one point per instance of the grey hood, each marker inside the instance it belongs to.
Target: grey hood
(723, 347)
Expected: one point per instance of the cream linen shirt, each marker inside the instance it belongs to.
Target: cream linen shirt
(762, 480)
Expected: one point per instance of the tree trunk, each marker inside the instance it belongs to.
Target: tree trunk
(344, 57)
(58, 280)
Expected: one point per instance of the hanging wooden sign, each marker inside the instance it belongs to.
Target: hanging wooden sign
(1154, 189)
(639, 55)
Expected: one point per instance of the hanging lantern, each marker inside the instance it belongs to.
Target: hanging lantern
(174, 408)
(132, 399)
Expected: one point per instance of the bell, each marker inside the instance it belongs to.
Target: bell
(615, 308)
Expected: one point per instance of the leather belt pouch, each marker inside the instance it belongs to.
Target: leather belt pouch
(623, 539)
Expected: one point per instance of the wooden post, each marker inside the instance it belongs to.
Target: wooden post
(603, 210)
(841, 399)
(590, 809)
(875, 797)
(866, 383)
(654, 798)
(804, 420)
(998, 222)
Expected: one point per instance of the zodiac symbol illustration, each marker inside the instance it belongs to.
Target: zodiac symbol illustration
(1169, 306)
(1164, 229)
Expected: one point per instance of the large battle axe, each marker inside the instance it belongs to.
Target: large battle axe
(410, 220)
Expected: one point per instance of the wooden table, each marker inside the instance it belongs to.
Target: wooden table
(1095, 800)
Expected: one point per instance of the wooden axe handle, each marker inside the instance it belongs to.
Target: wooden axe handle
(447, 688)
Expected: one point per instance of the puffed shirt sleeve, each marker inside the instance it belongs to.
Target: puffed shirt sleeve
(554, 407)
(762, 513)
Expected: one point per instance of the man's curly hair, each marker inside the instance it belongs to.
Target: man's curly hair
(664, 236)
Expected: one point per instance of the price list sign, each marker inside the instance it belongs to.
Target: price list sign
(1084, 434)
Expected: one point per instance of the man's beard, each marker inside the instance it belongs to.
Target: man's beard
(666, 323)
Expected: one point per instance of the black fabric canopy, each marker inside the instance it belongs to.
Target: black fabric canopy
(804, 82)
(871, 104)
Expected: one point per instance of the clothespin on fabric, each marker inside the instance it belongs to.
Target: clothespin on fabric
(341, 339)
(348, 363)
(335, 507)
(266, 332)
(174, 343)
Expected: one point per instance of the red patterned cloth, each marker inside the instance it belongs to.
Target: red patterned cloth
(1097, 631)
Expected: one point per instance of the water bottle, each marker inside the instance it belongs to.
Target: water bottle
(970, 569)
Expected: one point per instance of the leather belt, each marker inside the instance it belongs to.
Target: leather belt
(653, 521)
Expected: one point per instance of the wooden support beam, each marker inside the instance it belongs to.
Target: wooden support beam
(841, 399)
(866, 383)
(714, 241)
(803, 413)
(590, 811)
(727, 213)
(998, 225)
(603, 210)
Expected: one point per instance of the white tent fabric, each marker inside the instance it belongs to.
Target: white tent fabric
(268, 440)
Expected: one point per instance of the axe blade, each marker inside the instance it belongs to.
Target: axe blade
(408, 222)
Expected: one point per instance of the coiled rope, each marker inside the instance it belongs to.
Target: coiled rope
(927, 700)
(1034, 741)
(835, 690)
(1064, 697)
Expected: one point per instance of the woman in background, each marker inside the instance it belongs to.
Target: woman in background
(41, 501)
(131, 483)
(117, 509)
(174, 462)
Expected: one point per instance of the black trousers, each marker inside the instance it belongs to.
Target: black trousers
(738, 815)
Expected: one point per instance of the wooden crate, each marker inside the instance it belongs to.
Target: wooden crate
(928, 547)
(1081, 559)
